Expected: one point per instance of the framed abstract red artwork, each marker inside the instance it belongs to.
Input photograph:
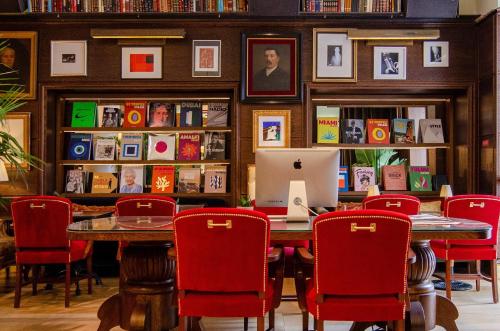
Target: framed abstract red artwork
(142, 62)
(271, 68)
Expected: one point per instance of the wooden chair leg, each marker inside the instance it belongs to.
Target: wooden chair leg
(305, 321)
(89, 274)
(494, 280)
(478, 271)
(399, 325)
(271, 319)
(320, 325)
(245, 323)
(448, 277)
(17, 295)
(67, 285)
(182, 323)
(34, 283)
(260, 323)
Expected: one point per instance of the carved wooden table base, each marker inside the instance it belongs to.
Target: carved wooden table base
(146, 295)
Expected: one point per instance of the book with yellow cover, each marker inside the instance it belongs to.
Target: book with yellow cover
(328, 130)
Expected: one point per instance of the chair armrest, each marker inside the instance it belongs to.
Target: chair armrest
(304, 255)
(275, 254)
(411, 257)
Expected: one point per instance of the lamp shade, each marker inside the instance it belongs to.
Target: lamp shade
(445, 191)
(373, 190)
(4, 177)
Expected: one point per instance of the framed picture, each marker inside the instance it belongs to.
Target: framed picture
(68, 58)
(270, 68)
(436, 54)
(18, 126)
(206, 58)
(334, 56)
(389, 63)
(142, 62)
(18, 62)
(271, 129)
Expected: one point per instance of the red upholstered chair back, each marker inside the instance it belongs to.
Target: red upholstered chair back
(221, 250)
(351, 259)
(145, 205)
(41, 221)
(400, 203)
(484, 208)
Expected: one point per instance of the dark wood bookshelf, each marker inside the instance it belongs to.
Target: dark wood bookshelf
(362, 194)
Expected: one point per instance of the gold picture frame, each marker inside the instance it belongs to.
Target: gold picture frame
(18, 126)
(271, 129)
(18, 66)
(335, 56)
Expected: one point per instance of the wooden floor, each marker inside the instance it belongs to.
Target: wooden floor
(46, 311)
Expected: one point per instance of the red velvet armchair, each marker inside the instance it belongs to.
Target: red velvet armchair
(222, 265)
(360, 268)
(485, 208)
(400, 203)
(143, 205)
(40, 224)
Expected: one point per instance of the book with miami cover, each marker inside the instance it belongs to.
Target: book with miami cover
(328, 130)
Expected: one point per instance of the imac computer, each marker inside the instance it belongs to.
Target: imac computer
(297, 178)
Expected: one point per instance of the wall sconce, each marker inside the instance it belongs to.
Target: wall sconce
(389, 37)
(373, 190)
(138, 36)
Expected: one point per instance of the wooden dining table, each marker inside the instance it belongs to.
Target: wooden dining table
(147, 283)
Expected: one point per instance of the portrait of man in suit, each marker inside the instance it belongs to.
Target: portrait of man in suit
(272, 75)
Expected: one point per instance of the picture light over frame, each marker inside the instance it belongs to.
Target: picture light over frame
(395, 34)
(138, 33)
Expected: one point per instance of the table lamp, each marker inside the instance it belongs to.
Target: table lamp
(445, 191)
(4, 177)
(373, 190)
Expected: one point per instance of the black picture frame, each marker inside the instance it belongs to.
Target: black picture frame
(277, 53)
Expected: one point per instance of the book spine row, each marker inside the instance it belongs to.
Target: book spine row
(136, 6)
(355, 6)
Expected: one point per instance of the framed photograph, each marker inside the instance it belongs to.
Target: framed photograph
(18, 126)
(271, 129)
(18, 62)
(142, 62)
(334, 56)
(270, 68)
(206, 58)
(68, 58)
(436, 54)
(389, 62)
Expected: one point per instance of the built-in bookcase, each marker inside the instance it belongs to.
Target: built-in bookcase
(437, 156)
(90, 166)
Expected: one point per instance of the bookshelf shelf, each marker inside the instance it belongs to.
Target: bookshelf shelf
(145, 130)
(385, 146)
(173, 195)
(143, 162)
(358, 194)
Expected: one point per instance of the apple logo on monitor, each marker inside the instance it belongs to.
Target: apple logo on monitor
(297, 164)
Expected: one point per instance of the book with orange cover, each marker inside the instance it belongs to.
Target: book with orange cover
(377, 131)
(163, 179)
(189, 146)
(394, 177)
(134, 115)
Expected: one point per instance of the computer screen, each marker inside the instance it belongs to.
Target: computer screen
(275, 168)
